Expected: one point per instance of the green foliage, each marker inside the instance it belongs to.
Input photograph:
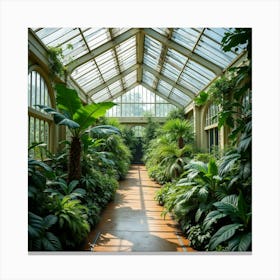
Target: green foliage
(199, 237)
(72, 220)
(236, 233)
(201, 99)
(177, 113)
(179, 130)
(150, 132)
(162, 193)
(55, 56)
(60, 188)
(239, 36)
(39, 236)
(212, 198)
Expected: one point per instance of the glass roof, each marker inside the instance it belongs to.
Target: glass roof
(175, 63)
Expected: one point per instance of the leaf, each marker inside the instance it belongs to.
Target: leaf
(87, 115)
(201, 99)
(212, 218)
(245, 242)
(212, 167)
(33, 162)
(67, 99)
(105, 130)
(51, 242)
(49, 221)
(59, 118)
(223, 234)
(228, 205)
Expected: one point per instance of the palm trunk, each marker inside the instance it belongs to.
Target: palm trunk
(74, 167)
(181, 142)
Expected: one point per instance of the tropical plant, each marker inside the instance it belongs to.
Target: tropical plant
(194, 194)
(177, 113)
(60, 188)
(38, 173)
(235, 235)
(174, 159)
(179, 130)
(39, 235)
(78, 118)
(72, 224)
(199, 237)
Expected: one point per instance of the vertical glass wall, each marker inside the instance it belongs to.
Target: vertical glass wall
(140, 102)
(211, 127)
(38, 120)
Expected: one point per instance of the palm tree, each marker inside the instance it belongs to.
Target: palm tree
(179, 130)
(78, 118)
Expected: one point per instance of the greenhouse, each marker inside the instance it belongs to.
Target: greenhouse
(139, 139)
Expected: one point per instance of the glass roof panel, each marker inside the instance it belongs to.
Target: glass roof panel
(126, 53)
(61, 36)
(98, 97)
(152, 51)
(93, 83)
(170, 71)
(186, 37)
(130, 78)
(118, 31)
(43, 32)
(148, 78)
(163, 31)
(96, 37)
(159, 56)
(212, 51)
(190, 83)
(116, 87)
(164, 87)
(83, 69)
(179, 97)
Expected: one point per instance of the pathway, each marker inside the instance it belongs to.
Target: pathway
(133, 222)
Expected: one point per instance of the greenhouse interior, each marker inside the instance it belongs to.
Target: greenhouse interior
(140, 140)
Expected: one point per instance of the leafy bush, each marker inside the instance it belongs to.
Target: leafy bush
(72, 224)
(199, 237)
(39, 235)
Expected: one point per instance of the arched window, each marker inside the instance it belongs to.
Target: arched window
(211, 127)
(38, 121)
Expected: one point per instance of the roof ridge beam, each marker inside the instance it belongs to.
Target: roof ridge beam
(101, 49)
(113, 79)
(189, 93)
(140, 53)
(184, 51)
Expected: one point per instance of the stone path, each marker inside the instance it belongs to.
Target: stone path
(133, 222)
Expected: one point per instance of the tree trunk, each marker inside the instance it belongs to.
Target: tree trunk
(74, 167)
(181, 142)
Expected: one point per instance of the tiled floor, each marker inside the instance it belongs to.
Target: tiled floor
(133, 222)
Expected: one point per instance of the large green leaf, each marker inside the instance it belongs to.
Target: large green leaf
(228, 205)
(223, 234)
(60, 119)
(104, 130)
(86, 115)
(51, 243)
(49, 221)
(67, 99)
(245, 242)
(212, 218)
(212, 167)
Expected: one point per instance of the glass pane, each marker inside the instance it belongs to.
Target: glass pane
(186, 37)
